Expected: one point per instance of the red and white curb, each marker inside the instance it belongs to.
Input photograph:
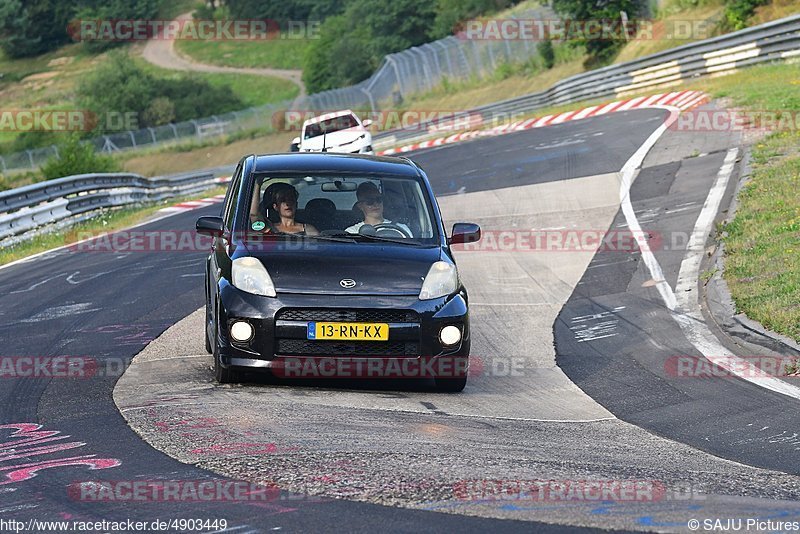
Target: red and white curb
(683, 100)
(195, 204)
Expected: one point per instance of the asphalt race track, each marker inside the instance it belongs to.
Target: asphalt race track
(569, 381)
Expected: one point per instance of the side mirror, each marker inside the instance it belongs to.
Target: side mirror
(366, 123)
(295, 146)
(212, 226)
(465, 233)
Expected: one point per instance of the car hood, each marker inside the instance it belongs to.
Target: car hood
(375, 269)
(335, 139)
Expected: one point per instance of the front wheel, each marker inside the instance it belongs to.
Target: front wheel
(222, 375)
(455, 371)
(451, 385)
(206, 335)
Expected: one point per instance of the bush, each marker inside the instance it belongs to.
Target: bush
(451, 14)
(351, 46)
(545, 49)
(503, 71)
(75, 157)
(738, 12)
(119, 86)
(600, 51)
(118, 10)
(31, 27)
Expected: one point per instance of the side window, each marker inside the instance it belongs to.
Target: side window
(231, 201)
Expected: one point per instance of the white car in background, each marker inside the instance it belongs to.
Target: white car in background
(340, 131)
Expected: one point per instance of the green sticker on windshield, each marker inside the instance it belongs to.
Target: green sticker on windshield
(258, 226)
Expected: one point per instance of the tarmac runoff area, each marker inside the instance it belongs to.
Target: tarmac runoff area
(515, 445)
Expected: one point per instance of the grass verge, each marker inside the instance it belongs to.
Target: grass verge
(252, 90)
(271, 53)
(107, 221)
(762, 242)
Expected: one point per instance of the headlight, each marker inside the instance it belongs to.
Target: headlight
(249, 274)
(441, 280)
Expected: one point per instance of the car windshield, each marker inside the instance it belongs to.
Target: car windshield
(329, 126)
(337, 208)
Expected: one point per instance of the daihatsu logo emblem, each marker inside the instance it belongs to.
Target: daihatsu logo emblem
(347, 283)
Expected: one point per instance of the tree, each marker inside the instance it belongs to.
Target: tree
(600, 50)
(352, 45)
(451, 13)
(548, 53)
(75, 157)
(115, 10)
(33, 27)
(119, 86)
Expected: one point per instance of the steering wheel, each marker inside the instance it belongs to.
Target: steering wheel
(391, 228)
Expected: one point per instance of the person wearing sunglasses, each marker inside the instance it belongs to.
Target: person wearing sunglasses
(370, 202)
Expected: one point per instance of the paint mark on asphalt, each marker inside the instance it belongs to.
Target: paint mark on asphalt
(37, 284)
(57, 312)
(596, 326)
(27, 441)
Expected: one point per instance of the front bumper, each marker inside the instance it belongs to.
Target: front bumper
(280, 328)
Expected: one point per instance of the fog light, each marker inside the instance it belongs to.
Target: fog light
(450, 335)
(241, 331)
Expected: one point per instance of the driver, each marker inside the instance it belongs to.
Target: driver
(370, 202)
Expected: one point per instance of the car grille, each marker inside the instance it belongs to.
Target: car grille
(349, 315)
(302, 347)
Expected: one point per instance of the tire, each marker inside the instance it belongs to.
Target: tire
(206, 335)
(221, 374)
(209, 348)
(453, 384)
(450, 385)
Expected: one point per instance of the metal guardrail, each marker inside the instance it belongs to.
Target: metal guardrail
(39, 204)
(421, 68)
(32, 206)
(777, 40)
(400, 75)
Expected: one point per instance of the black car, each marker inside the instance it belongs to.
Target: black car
(335, 265)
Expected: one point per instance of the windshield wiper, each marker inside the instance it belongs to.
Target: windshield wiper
(343, 237)
(368, 237)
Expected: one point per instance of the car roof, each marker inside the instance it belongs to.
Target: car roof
(332, 163)
(331, 115)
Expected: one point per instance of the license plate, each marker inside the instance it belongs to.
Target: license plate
(349, 331)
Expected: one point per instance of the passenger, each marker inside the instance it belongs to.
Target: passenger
(284, 202)
(370, 202)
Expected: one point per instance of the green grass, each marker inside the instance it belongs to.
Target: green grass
(178, 7)
(762, 243)
(107, 221)
(272, 53)
(251, 90)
